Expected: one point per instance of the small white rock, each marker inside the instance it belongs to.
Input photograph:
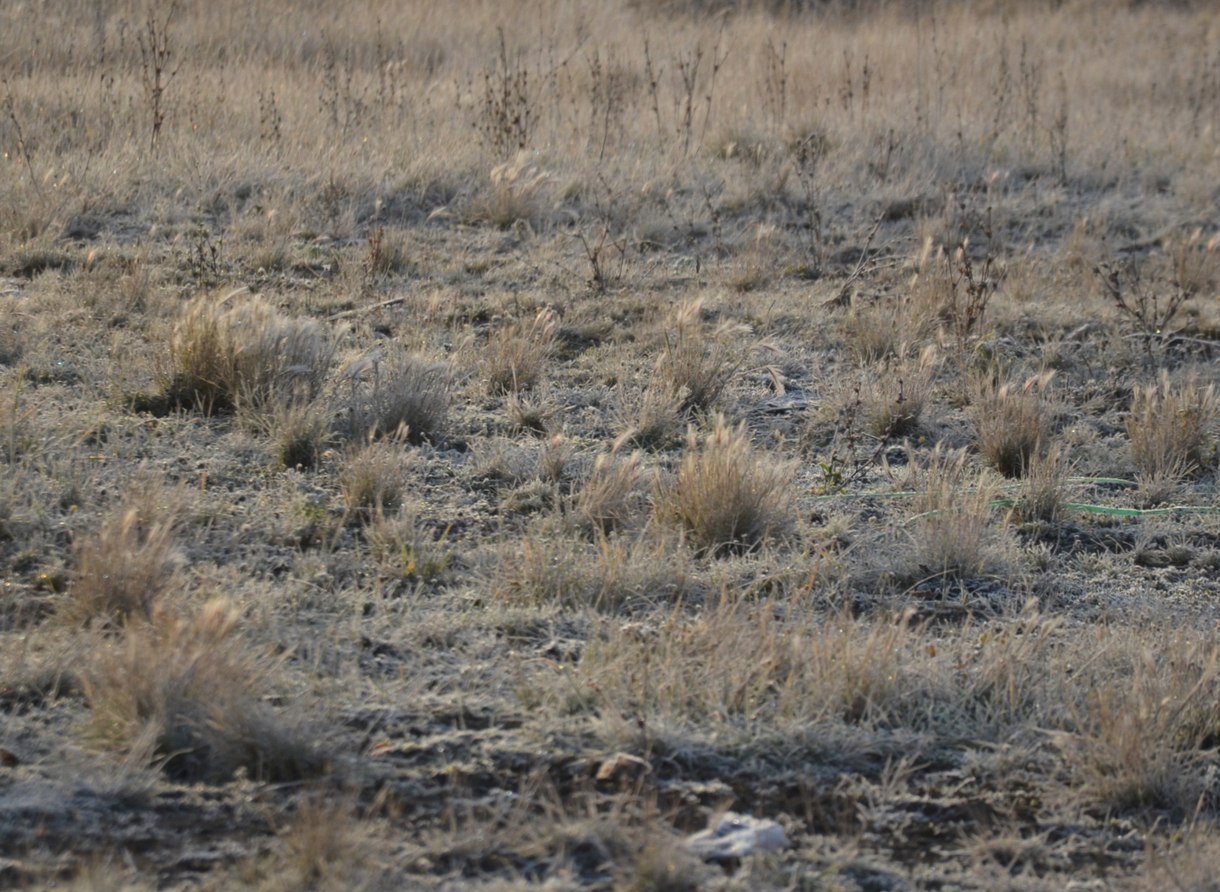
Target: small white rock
(737, 836)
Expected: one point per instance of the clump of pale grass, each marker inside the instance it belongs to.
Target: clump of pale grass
(610, 497)
(515, 194)
(403, 548)
(40, 665)
(16, 435)
(697, 362)
(616, 572)
(1042, 493)
(893, 394)
(237, 350)
(11, 341)
(875, 333)
(1170, 428)
(1195, 263)
(517, 354)
(554, 459)
(727, 495)
(129, 562)
(951, 534)
(188, 694)
(1012, 424)
(323, 848)
(499, 460)
(829, 685)
(528, 415)
(373, 479)
(655, 420)
(929, 304)
(300, 430)
(662, 862)
(1141, 734)
(404, 396)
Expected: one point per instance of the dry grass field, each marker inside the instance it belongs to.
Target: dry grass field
(481, 445)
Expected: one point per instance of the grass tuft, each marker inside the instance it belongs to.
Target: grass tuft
(187, 693)
(517, 354)
(237, 350)
(729, 496)
(894, 393)
(405, 396)
(1170, 429)
(373, 480)
(610, 497)
(126, 565)
(1012, 424)
(301, 433)
(611, 574)
(951, 535)
(698, 362)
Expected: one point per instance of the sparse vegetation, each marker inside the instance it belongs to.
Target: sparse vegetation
(474, 448)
